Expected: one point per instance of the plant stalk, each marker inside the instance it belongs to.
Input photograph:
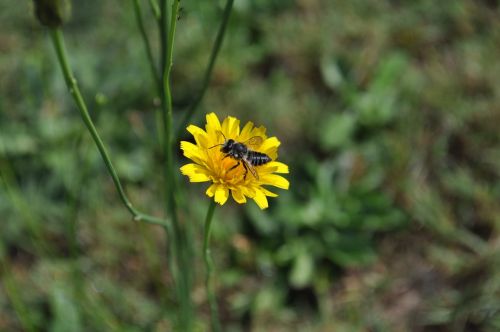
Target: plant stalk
(214, 314)
(71, 83)
(182, 274)
(147, 44)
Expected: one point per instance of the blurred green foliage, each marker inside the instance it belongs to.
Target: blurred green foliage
(388, 116)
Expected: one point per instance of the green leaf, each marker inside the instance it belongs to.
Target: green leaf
(302, 271)
(379, 104)
(331, 73)
(337, 130)
(66, 315)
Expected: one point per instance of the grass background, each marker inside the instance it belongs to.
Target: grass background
(388, 113)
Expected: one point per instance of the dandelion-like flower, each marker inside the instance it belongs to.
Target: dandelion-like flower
(213, 165)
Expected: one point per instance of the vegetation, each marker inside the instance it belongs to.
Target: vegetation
(388, 116)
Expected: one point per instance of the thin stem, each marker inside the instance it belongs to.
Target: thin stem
(182, 273)
(155, 9)
(147, 44)
(163, 27)
(214, 314)
(208, 72)
(58, 41)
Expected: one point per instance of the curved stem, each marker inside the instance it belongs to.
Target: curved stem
(147, 44)
(214, 314)
(58, 41)
(208, 72)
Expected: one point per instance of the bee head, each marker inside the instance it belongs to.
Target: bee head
(227, 146)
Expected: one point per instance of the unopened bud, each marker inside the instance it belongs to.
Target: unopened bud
(52, 13)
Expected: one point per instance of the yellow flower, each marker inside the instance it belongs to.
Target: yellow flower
(210, 163)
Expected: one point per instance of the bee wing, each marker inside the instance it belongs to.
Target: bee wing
(250, 168)
(254, 141)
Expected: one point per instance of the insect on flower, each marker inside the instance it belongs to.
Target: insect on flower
(245, 156)
(241, 151)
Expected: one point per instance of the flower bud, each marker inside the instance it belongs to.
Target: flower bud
(52, 13)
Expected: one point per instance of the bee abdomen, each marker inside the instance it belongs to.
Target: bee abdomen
(258, 158)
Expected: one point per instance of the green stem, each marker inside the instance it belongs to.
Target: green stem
(147, 44)
(155, 9)
(58, 41)
(214, 315)
(182, 273)
(208, 72)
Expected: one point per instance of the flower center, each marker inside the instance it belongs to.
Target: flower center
(227, 169)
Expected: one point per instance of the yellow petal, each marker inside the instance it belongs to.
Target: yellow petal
(275, 180)
(200, 136)
(192, 152)
(271, 142)
(259, 131)
(246, 132)
(281, 168)
(238, 196)
(270, 147)
(231, 127)
(211, 190)
(221, 194)
(248, 191)
(274, 167)
(195, 172)
(260, 199)
(268, 193)
(213, 124)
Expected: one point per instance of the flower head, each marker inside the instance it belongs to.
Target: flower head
(228, 173)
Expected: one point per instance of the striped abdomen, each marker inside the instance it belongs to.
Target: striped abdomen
(257, 158)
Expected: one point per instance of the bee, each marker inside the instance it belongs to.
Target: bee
(243, 154)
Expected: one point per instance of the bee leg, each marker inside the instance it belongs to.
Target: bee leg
(246, 171)
(233, 167)
(225, 156)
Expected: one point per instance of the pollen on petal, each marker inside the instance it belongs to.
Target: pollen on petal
(221, 194)
(238, 196)
(261, 199)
